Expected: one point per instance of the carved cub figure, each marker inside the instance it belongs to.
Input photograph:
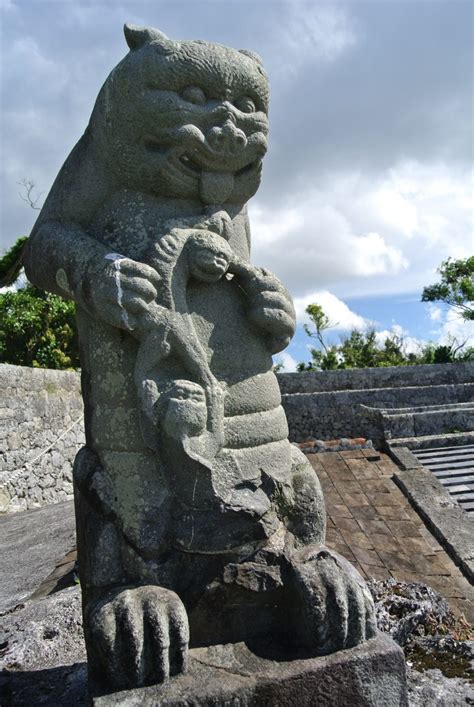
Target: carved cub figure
(197, 521)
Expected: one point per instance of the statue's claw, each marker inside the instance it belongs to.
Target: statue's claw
(138, 636)
(336, 609)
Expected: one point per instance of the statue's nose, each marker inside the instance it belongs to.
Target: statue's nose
(226, 138)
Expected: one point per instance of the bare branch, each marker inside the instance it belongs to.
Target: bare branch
(27, 194)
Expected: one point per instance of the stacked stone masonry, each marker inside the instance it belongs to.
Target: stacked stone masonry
(41, 429)
(334, 404)
(41, 426)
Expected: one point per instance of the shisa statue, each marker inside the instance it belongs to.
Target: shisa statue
(198, 522)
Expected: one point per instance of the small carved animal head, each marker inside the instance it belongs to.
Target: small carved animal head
(184, 119)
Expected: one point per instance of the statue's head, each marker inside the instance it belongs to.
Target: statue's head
(184, 119)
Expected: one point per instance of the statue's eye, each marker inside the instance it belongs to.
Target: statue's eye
(194, 94)
(245, 104)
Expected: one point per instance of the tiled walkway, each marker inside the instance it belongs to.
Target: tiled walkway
(372, 524)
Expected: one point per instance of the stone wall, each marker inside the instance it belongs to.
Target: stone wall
(373, 378)
(41, 429)
(41, 426)
(329, 404)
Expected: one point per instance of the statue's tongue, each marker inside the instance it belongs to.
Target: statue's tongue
(216, 187)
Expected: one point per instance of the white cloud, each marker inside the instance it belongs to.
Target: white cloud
(409, 344)
(456, 328)
(337, 311)
(287, 361)
(373, 256)
(312, 239)
(434, 313)
(7, 5)
(320, 31)
(367, 235)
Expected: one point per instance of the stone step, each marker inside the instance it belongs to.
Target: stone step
(428, 421)
(427, 408)
(437, 441)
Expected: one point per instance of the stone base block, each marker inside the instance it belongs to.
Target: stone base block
(370, 675)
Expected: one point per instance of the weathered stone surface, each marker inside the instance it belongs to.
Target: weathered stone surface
(448, 522)
(377, 378)
(433, 689)
(198, 523)
(29, 547)
(372, 674)
(41, 429)
(42, 658)
(42, 651)
(43, 663)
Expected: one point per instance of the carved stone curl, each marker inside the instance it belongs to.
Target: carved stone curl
(198, 522)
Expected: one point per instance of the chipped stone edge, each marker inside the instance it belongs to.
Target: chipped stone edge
(448, 522)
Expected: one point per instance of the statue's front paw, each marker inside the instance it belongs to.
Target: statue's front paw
(336, 609)
(137, 636)
(121, 291)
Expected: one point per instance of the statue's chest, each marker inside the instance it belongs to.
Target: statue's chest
(129, 223)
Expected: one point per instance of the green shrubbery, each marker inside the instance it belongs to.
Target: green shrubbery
(37, 329)
(362, 349)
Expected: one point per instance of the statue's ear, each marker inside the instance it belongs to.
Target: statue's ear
(252, 55)
(137, 37)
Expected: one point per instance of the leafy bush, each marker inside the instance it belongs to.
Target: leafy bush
(37, 329)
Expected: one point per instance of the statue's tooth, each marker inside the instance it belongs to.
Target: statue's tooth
(216, 187)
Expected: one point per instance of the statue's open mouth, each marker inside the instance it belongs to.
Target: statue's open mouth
(191, 164)
(216, 182)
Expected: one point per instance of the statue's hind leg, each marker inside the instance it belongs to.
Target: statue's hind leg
(304, 509)
(329, 605)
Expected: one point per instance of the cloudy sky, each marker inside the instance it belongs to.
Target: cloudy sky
(368, 183)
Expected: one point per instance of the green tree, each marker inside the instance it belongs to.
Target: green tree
(362, 349)
(11, 263)
(36, 328)
(324, 357)
(456, 287)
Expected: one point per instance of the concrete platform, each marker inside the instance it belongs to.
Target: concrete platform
(369, 675)
(30, 545)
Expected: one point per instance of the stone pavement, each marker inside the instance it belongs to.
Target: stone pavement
(371, 523)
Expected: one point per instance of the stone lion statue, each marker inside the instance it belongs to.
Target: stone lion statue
(198, 522)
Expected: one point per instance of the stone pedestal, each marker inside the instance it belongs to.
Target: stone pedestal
(370, 675)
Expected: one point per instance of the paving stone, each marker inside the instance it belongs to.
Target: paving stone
(374, 527)
(381, 498)
(340, 475)
(375, 572)
(386, 542)
(465, 607)
(364, 473)
(392, 512)
(396, 561)
(403, 528)
(435, 565)
(351, 453)
(355, 499)
(357, 538)
(348, 524)
(347, 486)
(381, 486)
(364, 513)
(367, 557)
(338, 510)
(372, 524)
(333, 536)
(343, 550)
